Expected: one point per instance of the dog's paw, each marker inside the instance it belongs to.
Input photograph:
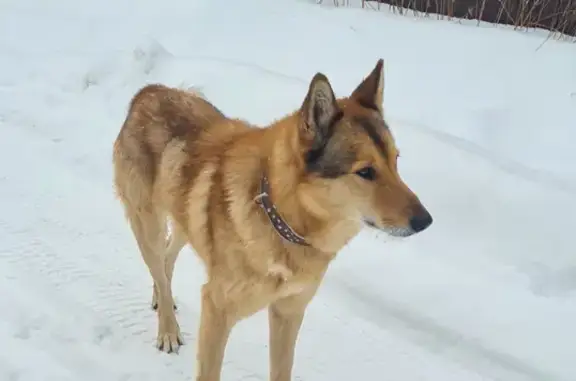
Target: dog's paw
(169, 342)
(169, 339)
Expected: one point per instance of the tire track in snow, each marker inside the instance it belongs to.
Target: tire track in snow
(438, 339)
(66, 273)
(39, 259)
(37, 318)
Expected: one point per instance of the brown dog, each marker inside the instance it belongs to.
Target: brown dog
(266, 209)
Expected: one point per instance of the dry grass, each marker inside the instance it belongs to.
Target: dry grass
(556, 16)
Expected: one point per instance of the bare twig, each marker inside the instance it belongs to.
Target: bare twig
(557, 16)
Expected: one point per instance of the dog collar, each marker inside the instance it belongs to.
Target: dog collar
(281, 226)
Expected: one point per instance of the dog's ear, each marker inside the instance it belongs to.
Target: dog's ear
(370, 93)
(318, 112)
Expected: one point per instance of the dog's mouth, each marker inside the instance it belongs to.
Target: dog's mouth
(370, 223)
(394, 231)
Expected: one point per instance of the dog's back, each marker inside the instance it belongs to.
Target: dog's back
(157, 115)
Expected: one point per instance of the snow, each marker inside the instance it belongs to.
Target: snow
(485, 120)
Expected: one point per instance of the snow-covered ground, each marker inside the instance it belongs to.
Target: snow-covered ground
(485, 118)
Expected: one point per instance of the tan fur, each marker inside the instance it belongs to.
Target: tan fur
(178, 158)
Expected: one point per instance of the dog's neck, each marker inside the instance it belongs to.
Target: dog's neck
(278, 223)
(282, 172)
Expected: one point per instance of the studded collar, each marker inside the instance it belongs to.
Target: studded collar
(281, 226)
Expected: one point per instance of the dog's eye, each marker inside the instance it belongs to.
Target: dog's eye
(367, 173)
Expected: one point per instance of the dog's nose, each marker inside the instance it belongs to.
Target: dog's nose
(420, 221)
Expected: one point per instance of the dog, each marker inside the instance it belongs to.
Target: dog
(266, 209)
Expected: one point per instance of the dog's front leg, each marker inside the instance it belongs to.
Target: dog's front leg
(215, 326)
(285, 319)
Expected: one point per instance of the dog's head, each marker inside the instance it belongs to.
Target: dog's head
(350, 159)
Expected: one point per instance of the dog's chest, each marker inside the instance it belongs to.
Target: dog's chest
(247, 296)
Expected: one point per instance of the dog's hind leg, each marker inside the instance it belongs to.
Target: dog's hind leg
(149, 228)
(174, 246)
